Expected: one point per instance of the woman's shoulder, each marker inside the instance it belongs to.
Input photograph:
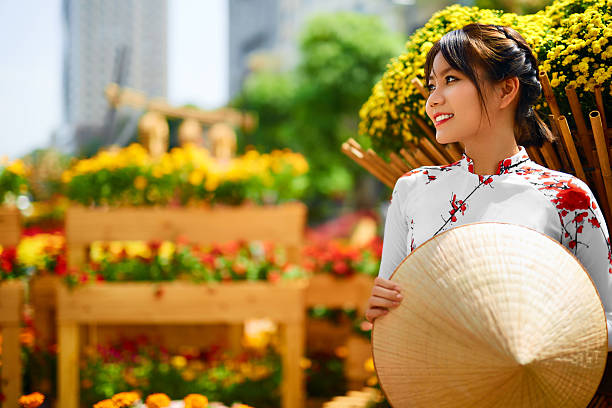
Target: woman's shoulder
(559, 186)
(426, 174)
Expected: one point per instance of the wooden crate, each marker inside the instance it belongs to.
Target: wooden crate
(354, 292)
(331, 292)
(181, 303)
(11, 307)
(282, 224)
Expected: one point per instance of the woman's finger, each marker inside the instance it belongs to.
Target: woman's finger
(373, 313)
(387, 284)
(376, 301)
(386, 293)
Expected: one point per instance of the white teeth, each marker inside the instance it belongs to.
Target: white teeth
(442, 117)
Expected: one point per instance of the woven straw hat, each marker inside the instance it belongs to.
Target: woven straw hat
(493, 315)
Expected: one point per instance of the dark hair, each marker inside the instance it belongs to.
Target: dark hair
(502, 53)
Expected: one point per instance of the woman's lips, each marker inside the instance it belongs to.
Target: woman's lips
(442, 122)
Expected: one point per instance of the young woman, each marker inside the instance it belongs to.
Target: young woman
(483, 82)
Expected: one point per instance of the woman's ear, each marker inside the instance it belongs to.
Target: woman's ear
(507, 91)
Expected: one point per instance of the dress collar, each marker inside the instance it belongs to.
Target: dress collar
(508, 165)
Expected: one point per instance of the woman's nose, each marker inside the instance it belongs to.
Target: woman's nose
(434, 98)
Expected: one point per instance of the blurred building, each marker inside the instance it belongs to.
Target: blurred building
(266, 32)
(270, 29)
(104, 41)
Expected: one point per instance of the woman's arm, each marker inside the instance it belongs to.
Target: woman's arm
(588, 239)
(387, 294)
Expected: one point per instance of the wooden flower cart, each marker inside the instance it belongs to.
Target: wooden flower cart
(581, 151)
(331, 292)
(11, 308)
(180, 303)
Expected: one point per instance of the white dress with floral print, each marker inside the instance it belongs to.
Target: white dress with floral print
(432, 199)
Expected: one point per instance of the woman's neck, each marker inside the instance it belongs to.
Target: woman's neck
(486, 156)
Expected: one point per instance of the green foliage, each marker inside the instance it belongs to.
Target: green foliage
(313, 109)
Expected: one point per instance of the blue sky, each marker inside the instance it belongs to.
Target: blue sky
(31, 65)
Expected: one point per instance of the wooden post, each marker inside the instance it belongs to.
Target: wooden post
(602, 154)
(68, 365)
(11, 307)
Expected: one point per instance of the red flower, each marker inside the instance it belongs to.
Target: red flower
(340, 268)
(572, 244)
(573, 198)
(594, 222)
(580, 217)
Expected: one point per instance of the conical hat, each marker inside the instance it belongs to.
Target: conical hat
(493, 315)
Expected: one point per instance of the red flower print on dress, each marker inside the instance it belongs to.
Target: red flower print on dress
(457, 205)
(593, 221)
(572, 198)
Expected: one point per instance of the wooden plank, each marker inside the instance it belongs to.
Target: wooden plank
(292, 353)
(11, 302)
(43, 302)
(10, 226)
(11, 308)
(11, 364)
(68, 365)
(326, 290)
(284, 224)
(180, 302)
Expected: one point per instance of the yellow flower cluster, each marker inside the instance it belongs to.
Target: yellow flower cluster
(125, 399)
(33, 400)
(17, 167)
(112, 251)
(33, 250)
(111, 159)
(195, 401)
(157, 401)
(192, 163)
(570, 39)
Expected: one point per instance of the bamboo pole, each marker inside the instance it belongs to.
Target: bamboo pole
(454, 151)
(419, 86)
(569, 142)
(602, 153)
(399, 162)
(433, 152)
(583, 133)
(409, 158)
(423, 158)
(535, 155)
(561, 148)
(359, 158)
(383, 166)
(550, 156)
(549, 95)
(600, 107)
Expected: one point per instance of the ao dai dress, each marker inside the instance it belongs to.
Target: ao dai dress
(432, 199)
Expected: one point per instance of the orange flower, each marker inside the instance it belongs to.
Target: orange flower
(33, 400)
(196, 401)
(157, 401)
(107, 403)
(125, 399)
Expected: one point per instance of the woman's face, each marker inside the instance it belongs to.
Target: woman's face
(452, 92)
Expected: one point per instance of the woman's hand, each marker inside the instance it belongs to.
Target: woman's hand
(385, 295)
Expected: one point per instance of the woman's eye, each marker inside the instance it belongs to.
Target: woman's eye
(430, 88)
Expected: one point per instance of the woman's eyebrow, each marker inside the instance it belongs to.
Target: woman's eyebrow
(444, 71)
